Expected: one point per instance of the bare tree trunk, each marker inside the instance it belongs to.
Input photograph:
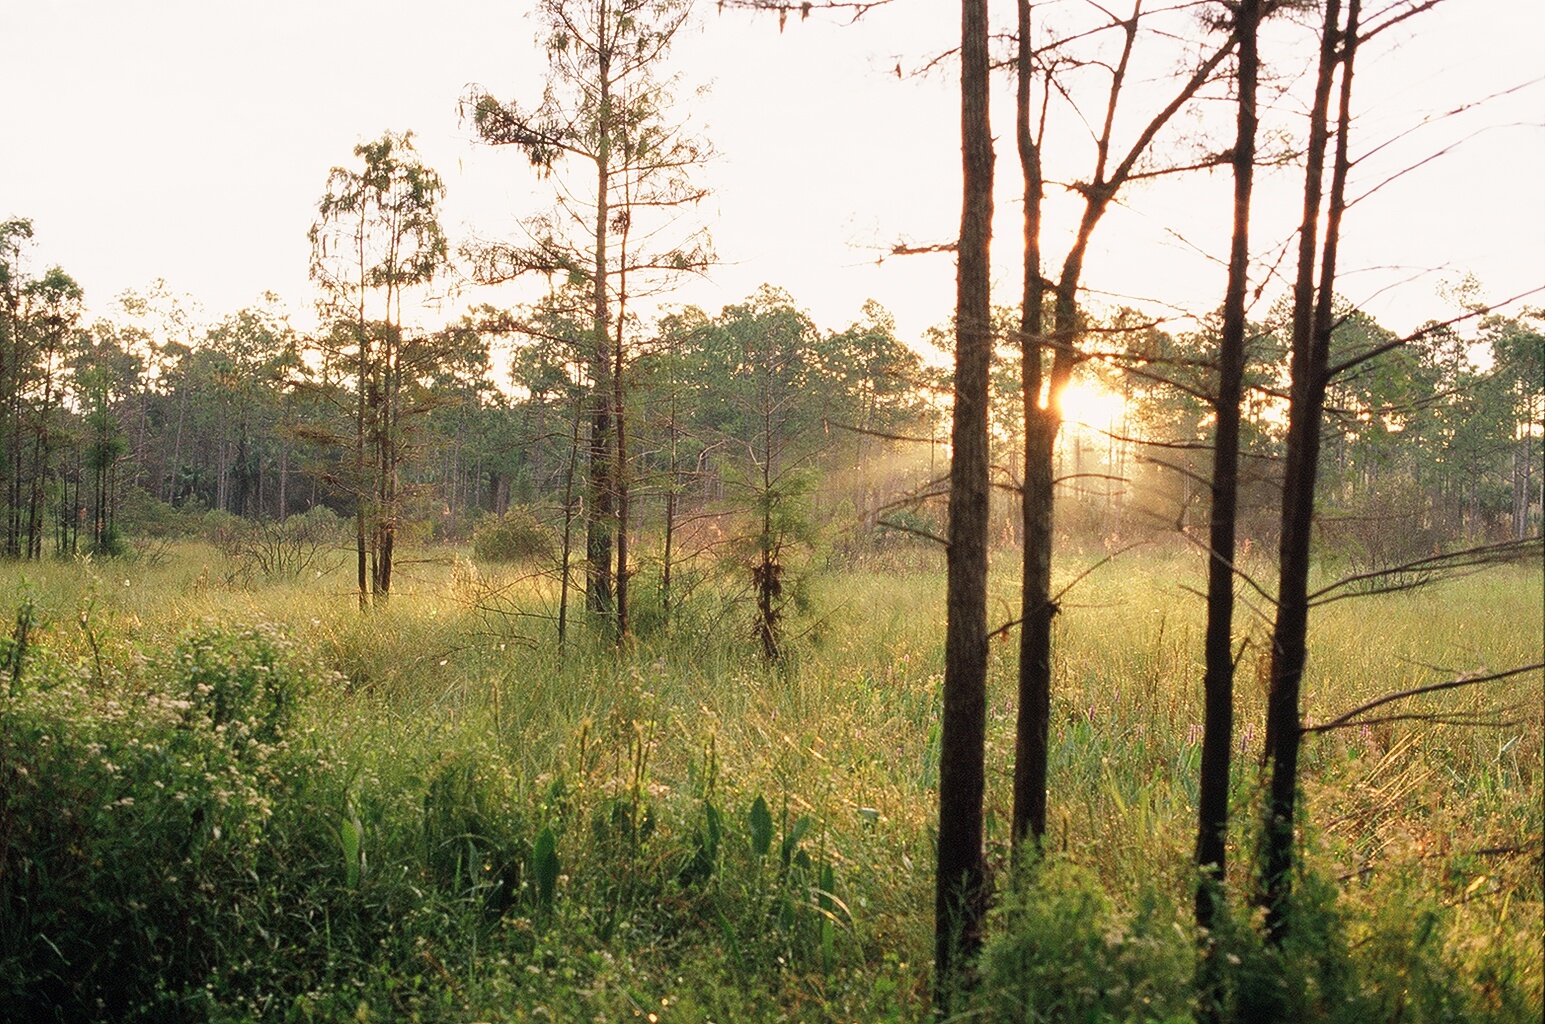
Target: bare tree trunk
(1031, 728)
(568, 525)
(960, 882)
(619, 419)
(767, 574)
(284, 479)
(1218, 678)
(361, 491)
(1312, 323)
(670, 515)
(1043, 423)
(390, 444)
(171, 481)
(602, 511)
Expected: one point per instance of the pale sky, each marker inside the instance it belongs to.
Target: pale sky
(190, 141)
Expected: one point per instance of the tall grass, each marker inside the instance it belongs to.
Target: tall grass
(467, 824)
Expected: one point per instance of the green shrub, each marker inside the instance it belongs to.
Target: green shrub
(142, 515)
(516, 536)
(156, 840)
(1062, 951)
(244, 682)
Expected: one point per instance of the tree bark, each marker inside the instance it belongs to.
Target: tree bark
(960, 883)
(1031, 728)
(598, 521)
(1044, 422)
(1218, 678)
(1312, 323)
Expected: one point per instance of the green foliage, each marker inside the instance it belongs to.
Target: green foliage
(470, 833)
(1062, 951)
(516, 536)
(760, 823)
(141, 514)
(244, 683)
(137, 828)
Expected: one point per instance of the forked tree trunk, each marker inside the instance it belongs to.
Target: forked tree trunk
(1312, 323)
(1042, 423)
(960, 882)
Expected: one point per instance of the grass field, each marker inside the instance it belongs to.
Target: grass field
(259, 803)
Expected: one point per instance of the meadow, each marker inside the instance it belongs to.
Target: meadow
(248, 800)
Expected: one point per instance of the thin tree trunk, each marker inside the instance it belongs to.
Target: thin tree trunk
(1043, 423)
(767, 572)
(361, 490)
(598, 536)
(386, 516)
(568, 525)
(1035, 487)
(284, 478)
(182, 408)
(960, 882)
(673, 481)
(1218, 678)
(619, 410)
(1312, 323)
(40, 459)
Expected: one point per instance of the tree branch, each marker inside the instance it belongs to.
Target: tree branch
(1350, 718)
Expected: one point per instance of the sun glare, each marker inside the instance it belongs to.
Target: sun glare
(1091, 406)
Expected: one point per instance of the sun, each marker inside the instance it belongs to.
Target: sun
(1089, 405)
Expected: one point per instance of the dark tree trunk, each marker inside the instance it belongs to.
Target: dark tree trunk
(1218, 678)
(390, 457)
(620, 479)
(1312, 323)
(1035, 579)
(361, 491)
(959, 898)
(1043, 423)
(670, 515)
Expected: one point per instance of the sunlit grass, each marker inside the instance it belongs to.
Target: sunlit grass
(461, 663)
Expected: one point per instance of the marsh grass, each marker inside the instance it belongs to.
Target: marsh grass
(475, 826)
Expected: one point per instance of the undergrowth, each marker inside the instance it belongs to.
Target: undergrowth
(259, 804)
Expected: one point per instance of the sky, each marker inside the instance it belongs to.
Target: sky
(191, 141)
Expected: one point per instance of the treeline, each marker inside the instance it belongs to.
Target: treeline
(113, 424)
(1430, 440)
(110, 424)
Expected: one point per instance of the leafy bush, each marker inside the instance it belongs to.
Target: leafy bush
(135, 829)
(142, 515)
(516, 536)
(1063, 952)
(240, 682)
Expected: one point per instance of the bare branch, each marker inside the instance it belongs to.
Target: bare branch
(1402, 579)
(1378, 350)
(914, 530)
(1351, 717)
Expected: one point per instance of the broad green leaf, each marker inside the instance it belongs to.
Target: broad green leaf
(544, 866)
(761, 823)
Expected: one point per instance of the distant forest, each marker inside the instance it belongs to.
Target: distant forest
(147, 423)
